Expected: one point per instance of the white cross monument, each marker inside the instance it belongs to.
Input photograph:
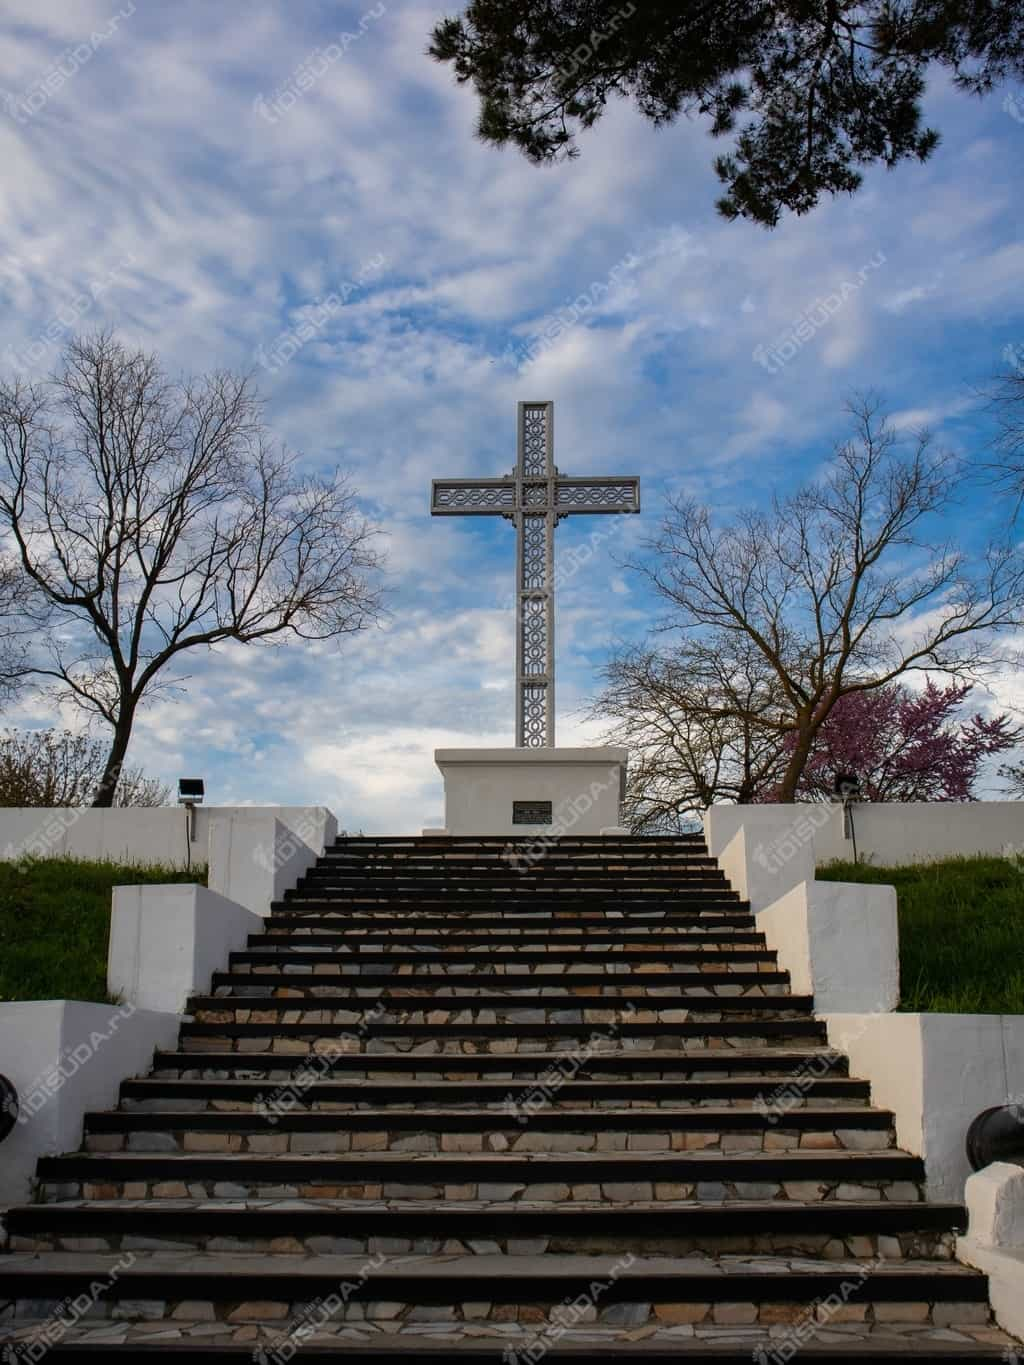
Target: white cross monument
(535, 786)
(534, 497)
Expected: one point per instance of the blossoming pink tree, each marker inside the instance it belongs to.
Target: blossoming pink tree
(906, 745)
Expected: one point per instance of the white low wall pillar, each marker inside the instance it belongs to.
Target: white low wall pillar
(167, 941)
(995, 1239)
(839, 941)
(65, 1057)
(765, 851)
(890, 834)
(255, 855)
(936, 1072)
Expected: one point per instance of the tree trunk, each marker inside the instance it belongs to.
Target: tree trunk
(107, 788)
(795, 767)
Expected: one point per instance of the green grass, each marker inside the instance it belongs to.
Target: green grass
(961, 932)
(55, 924)
(961, 929)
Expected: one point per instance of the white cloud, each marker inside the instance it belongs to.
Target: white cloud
(235, 224)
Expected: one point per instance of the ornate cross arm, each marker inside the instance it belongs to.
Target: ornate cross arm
(473, 497)
(608, 494)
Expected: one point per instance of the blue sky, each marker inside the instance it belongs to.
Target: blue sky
(217, 204)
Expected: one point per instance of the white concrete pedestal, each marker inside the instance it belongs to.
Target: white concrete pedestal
(484, 787)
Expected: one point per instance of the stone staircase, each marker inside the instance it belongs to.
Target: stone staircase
(460, 1104)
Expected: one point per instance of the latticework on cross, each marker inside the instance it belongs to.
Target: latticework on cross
(535, 498)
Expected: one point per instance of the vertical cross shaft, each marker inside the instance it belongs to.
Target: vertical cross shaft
(535, 571)
(535, 497)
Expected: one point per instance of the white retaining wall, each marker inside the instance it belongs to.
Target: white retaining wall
(167, 941)
(65, 1057)
(888, 835)
(140, 835)
(839, 941)
(936, 1072)
(766, 855)
(255, 855)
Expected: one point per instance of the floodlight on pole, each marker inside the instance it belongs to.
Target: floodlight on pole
(191, 791)
(846, 788)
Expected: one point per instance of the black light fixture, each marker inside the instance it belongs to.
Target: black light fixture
(846, 788)
(997, 1134)
(8, 1107)
(191, 791)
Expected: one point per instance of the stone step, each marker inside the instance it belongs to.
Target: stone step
(511, 857)
(503, 883)
(625, 878)
(278, 1123)
(508, 935)
(609, 935)
(544, 845)
(462, 843)
(586, 957)
(497, 883)
(581, 986)
(348, 917)
(716, 1340)
(526, 850)
(655, 999)
(891, 1231)
(501, 1039)
(617, 1177)
(503, 975)
(526, 854)
(461, 900)
(569, 938)
(526, 872)
(159, 1094)
(522, 859)
(551, 854)
(295, 914)
(431, 1010)
(782, 1072)
(564, 846)
(628, 1290)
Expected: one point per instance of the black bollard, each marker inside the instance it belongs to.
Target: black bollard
(8, 1107)
(997, 1134)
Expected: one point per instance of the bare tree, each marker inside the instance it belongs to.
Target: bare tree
(155, 518)
(13, 644)
(842, 587)
(1013, 773)
(1008, 401)
(694, 719)
(61, 768)
(23, 614)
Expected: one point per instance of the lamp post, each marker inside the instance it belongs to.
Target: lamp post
(191, 791)
(847, 788)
